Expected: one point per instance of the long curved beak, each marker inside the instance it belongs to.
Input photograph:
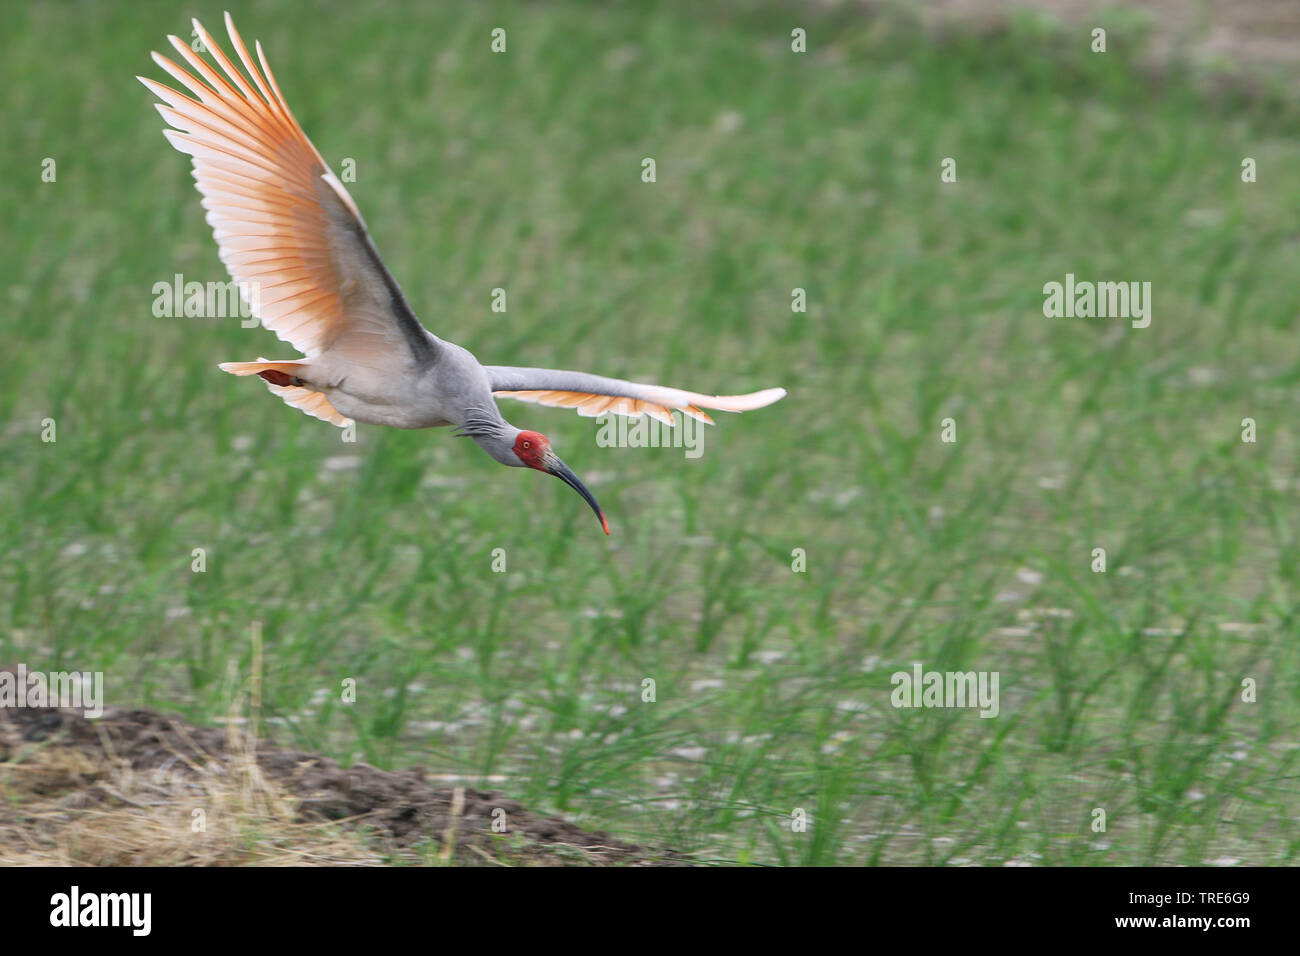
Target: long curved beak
(562, 471)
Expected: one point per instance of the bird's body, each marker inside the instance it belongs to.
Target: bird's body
(410, 393)
(294, 239)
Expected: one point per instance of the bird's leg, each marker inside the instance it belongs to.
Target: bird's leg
(276, 377)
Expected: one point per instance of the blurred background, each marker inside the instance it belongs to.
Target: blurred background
(776, 170)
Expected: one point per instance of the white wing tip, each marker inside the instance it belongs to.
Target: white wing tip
(746, 403)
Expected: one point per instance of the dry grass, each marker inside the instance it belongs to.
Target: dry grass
(135, 788)
(62, 807)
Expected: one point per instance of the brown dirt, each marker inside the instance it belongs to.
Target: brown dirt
(123, 789)
(1242, 35)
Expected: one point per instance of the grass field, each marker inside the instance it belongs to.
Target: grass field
(372, 561)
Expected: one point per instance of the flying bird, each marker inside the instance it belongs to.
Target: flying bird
(291, 236)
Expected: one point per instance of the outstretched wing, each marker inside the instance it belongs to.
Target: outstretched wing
(284, 224)
(594, 395)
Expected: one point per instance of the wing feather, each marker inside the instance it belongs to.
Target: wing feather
(285, 225)
(592, 395)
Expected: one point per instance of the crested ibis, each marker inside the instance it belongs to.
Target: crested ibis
(286, 228)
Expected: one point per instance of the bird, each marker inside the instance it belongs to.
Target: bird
(291, 236)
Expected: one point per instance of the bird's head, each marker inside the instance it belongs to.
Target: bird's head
(533, 449)
(519, 449)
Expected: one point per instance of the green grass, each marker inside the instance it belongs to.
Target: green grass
(372, 560)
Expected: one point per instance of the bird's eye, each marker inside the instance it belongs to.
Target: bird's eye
(528, 444)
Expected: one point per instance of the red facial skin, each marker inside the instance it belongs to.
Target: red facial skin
(530, 447)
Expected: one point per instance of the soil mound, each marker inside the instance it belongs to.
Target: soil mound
(128, 788)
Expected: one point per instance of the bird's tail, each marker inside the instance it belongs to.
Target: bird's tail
(283, 378)
(289, 370)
